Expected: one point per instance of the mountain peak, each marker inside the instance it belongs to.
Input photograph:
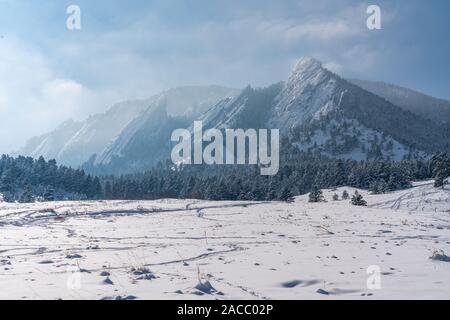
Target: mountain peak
(306, 64)
(307, 70)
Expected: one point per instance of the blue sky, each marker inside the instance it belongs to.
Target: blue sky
(133, 49)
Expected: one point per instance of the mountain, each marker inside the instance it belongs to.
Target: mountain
(97, 131)
(192, 101)
(50, 144)
(146, 139)
(75, 143)
(437, 110)
(321, 112)
(315, 110)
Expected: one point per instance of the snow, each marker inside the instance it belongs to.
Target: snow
(175, 249)
(321, 137)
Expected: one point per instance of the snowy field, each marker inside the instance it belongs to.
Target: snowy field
(173, 249)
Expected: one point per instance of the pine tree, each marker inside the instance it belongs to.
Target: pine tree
(251, 196)
(335, 197)
(345, 195)
(272, 190)
(316, 195)
(357, 200)
(27, 195)
(439, 181)
(49, 194)
(95, 188)
(286, 195)
(211, 192)
(242, 196)
(440, 167)
(108, 190)
(379, 186)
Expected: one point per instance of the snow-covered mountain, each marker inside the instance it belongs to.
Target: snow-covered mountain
(437, 110)
(75, 143)
(142, 143)
(97, 131)
(147, 138)
(310, 92)
(317, 110)
(50, 144)
(321, 112)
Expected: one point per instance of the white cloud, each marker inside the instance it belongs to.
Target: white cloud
(33, 99)
(315, 31)
(333, 67)
(63, 89)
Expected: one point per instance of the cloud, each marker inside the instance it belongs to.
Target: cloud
(312, 31)
(33, 99)
(61, 88)
(152, 53)
(333, 67)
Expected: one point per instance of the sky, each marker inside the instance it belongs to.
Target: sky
(134, 49)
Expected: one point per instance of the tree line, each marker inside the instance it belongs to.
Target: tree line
(24, 179)
(298, 175)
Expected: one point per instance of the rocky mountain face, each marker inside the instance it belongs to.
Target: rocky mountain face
(146, 139)
(321, 112)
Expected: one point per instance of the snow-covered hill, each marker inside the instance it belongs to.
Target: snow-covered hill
(175, 249)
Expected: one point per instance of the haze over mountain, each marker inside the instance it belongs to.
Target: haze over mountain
(73, 143)
(317, 110)
(50, 144)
